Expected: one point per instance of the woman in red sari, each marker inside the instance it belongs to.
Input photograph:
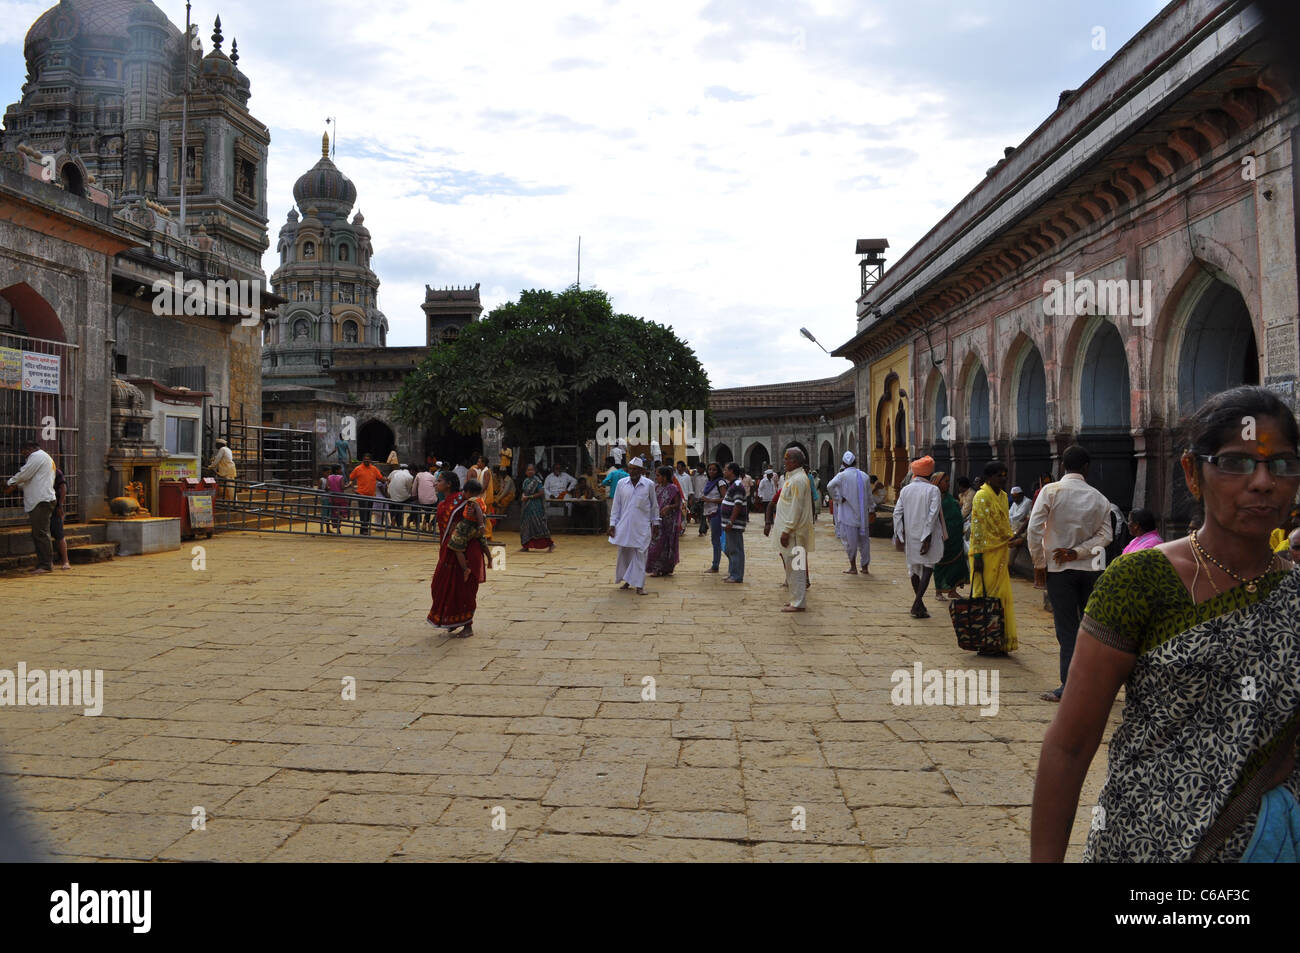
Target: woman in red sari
(448, 486)
(461, 565)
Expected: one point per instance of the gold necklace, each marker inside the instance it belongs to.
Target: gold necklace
(1200, 564)
(1251, 584)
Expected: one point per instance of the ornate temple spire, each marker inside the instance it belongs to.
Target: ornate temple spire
(234, 52)
(216, 33)
(325, 146)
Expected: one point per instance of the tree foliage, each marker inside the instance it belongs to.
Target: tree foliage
(546, 364)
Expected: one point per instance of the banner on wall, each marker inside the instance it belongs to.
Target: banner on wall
(178, 469)
(11, 368)
(41, 372)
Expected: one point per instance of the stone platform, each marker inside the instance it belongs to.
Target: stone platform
(140, 537)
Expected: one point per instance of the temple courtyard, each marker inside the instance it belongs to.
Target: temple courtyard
(282, 698)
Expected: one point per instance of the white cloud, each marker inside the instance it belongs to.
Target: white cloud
(718, 158)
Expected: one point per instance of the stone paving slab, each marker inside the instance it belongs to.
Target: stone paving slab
(770, 737)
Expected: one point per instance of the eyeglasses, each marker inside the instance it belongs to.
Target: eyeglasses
(1240, 464)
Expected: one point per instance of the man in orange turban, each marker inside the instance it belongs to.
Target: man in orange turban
(923, 467)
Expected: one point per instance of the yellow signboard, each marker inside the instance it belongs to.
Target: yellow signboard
(178, 469)
(200, 511)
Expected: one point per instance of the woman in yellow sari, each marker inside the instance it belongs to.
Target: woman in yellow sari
(991, 541)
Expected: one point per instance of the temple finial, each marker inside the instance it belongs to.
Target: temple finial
(325, 146)
(234, 52)
(216, 33)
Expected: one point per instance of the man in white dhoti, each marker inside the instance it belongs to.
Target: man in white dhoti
(919, 529)
(854, 504)
(794, 521)
(633, 523)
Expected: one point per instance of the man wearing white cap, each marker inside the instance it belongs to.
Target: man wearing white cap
(1021, 507)
(851, 491)
(633, 523)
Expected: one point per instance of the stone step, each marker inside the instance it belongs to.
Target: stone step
(80, 554)
(17, 540)
(92, 553)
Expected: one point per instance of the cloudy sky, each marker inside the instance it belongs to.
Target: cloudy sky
(718, 157)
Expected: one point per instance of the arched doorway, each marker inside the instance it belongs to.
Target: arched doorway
(722, 454)
(826, 462)
(758, 460)
(1218, 352)
(889, 461)
(1104, 415)
(377, 439)
(39, 396)
(1031, 451)
(1218, 349)
(979, 453)
(942, 433)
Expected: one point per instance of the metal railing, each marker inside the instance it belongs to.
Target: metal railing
(255, 506)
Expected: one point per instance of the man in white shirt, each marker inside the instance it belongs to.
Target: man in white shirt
(633, 523)
(558, 483)
(851, 491)
(767, 487)
(919, 529)
(1021, 506)
(36, 479)
(462, 472)
(401, 483)
(1068, 532)
(794, 522)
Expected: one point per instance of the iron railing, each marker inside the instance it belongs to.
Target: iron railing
(256, 506)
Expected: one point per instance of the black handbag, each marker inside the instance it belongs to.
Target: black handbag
(980, 623)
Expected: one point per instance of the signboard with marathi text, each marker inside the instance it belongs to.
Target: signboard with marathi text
(11, 368)
(41, 372)
(178, 469)
(200, 511)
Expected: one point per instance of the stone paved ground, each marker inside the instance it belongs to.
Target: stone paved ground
(224, 691)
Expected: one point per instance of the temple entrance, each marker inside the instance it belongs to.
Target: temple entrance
(39, 389)
(444, 443)
(722, 454)
(377, 439)
(758, 460)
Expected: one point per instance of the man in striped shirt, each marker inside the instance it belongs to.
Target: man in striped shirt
(734, 511)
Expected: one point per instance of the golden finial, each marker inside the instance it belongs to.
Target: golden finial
(325, 146)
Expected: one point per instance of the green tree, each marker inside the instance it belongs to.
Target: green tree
(546, 364)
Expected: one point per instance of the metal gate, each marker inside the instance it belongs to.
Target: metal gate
(263, 454)
(48, 415)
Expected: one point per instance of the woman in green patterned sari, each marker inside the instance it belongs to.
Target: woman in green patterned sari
(1204, 633)
(951, 572)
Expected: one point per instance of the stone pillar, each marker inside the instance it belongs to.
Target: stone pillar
(1275, 217)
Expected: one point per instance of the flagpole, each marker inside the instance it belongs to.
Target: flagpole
(579, 282)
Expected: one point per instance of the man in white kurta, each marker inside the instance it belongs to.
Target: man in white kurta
(919, 529)
(851, 491)
(633, 523)
(794, 523)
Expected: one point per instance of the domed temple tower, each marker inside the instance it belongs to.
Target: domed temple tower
(103, 99)
(326, 277)
(94, 256)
